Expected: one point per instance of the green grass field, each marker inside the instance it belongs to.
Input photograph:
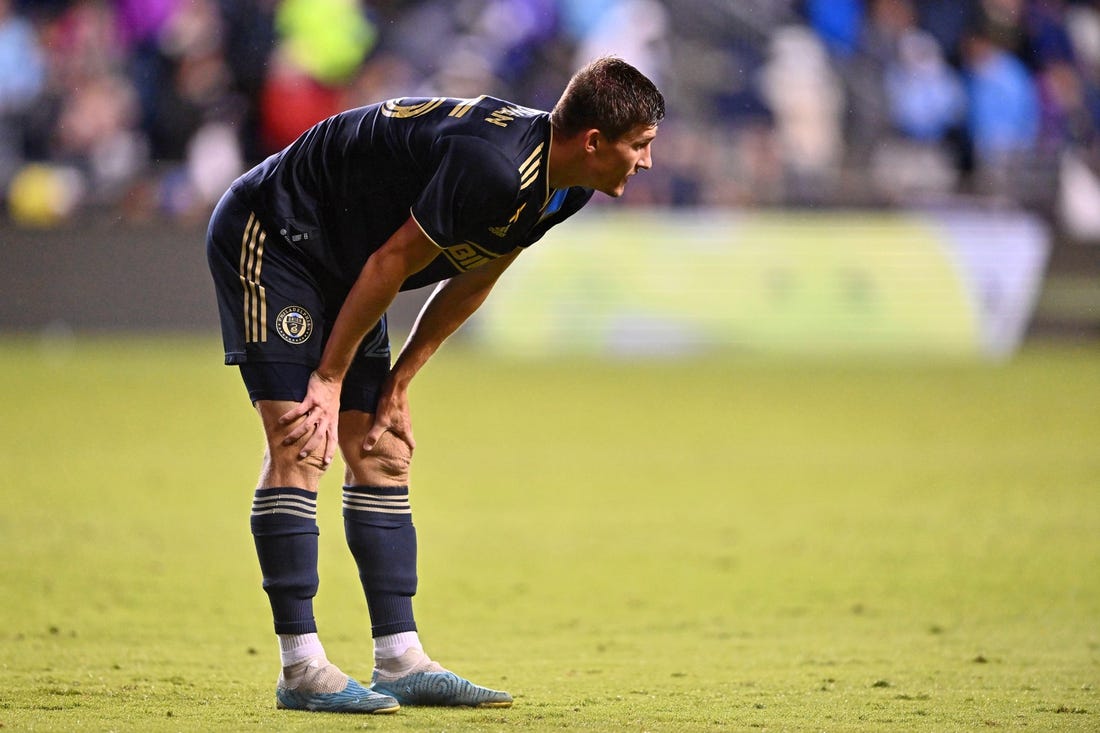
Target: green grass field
(720, 544)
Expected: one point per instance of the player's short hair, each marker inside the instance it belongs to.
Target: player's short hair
(609, 95)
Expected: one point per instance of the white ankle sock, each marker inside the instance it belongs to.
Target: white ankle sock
(294, 648)
(392, 646)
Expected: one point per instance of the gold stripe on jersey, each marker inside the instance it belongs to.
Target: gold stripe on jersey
(255, 296)
(392, 108)
(504, 115)
(529, 171)
(468, 255)
(460, 110)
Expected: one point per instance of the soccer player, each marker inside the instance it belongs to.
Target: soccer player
(308, 250)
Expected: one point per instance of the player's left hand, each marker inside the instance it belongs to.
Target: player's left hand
(391, 416)
(321, 410)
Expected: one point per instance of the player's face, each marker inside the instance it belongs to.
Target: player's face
(616, 161)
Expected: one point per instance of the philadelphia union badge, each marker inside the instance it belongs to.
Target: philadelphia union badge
(294, 324)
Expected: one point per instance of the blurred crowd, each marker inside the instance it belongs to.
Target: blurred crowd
(151, 107)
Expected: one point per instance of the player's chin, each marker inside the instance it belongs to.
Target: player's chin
(616, 191)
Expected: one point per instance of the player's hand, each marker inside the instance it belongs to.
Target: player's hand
(319, 413)
(391, 416)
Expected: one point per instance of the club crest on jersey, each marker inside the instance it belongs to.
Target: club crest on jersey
(294, 324)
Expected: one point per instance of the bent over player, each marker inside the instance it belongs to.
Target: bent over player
(309, 249)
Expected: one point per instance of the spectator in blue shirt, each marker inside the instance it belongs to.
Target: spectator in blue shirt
(1003, 118)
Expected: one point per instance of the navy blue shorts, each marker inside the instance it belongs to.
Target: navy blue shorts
(276, 316)
(273, 380)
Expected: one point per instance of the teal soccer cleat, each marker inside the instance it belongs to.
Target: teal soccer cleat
(426, 683)
(323, 688)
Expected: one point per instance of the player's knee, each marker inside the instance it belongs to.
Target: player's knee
(387, 464)
(283, 466)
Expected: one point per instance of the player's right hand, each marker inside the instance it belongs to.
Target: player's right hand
(321, 410)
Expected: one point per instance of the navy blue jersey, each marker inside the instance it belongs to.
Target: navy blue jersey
(472, 172)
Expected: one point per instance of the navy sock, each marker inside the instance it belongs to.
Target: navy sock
(380, 533)
(284, 527)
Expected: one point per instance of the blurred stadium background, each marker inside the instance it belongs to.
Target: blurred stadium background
(833, 174)
(687, 544)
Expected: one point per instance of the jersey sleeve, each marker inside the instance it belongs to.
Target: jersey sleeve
(471, 187)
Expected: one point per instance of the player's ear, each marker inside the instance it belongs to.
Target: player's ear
(592, 139)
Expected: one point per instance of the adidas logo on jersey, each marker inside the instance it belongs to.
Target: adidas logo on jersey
(502, 231)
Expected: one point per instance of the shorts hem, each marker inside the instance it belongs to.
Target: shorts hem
(238, 358)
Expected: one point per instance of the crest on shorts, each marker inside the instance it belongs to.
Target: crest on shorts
(294, 324)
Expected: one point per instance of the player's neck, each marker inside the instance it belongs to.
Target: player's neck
(565, 167)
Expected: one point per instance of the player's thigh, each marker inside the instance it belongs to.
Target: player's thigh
(387, 464)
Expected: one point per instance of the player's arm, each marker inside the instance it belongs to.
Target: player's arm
(450, 305)
(405, 253)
